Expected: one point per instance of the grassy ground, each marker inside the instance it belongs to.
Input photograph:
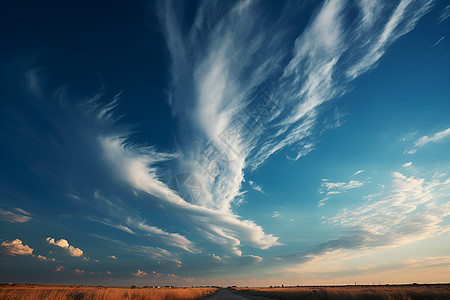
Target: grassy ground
(32, 292)
(400, 292)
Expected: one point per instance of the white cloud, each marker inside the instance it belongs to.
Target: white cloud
(139, 273)
(219, 65)
(43, 258)
(16, 247)
(407, 165)
(410, 211)
(436, 137)
(255, 186)
(216, 257)
(65, 245)
(19, 216)
(357, 172)
(403, 19)
(134, 166)
(445, 14)
(333, 188)
(440, 40)
(217, 73)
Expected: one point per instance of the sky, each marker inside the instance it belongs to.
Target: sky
(247, 143)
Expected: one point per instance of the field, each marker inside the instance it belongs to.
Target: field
(32, 292)
(391, 292)
(395, 292)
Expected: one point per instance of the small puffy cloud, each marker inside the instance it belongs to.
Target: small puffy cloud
(16, 248)
(59, 269)
(65, 245)
(216, 257)
(108, 272)
(18, 216)
(112, 256)
(43, 258)
(406, 165)
(78, 271)
(139, 273)
(276, 214)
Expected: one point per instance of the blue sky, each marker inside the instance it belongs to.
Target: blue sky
(246, 143)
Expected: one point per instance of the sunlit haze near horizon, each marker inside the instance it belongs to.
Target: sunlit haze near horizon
(247, 143)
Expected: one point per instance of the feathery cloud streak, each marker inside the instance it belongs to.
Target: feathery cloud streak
(437, 137)
(242, 92)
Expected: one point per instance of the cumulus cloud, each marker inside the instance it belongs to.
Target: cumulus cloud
(215, 257)
(59, 269)
(139, 273)
(436, 137)
(43, 258)
(78, 271)
(65, 245)
(16, 247)
(18, 216)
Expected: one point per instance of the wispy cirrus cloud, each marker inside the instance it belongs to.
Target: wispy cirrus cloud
(255, 186)
(412, 209)
(158, 254)
(223, 61)
(18, 215)
(333, 188)
(445, 14)
(246, 84)
(357, 172)
(436, 137)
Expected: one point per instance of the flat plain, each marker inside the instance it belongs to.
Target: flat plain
(61, 292)
(377, 292)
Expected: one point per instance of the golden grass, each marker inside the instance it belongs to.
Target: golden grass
(32, 292)
(401, 292)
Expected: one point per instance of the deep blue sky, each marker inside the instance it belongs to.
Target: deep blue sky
(246, 143)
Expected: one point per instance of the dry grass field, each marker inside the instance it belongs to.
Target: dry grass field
(32, 292)
(398, 292)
